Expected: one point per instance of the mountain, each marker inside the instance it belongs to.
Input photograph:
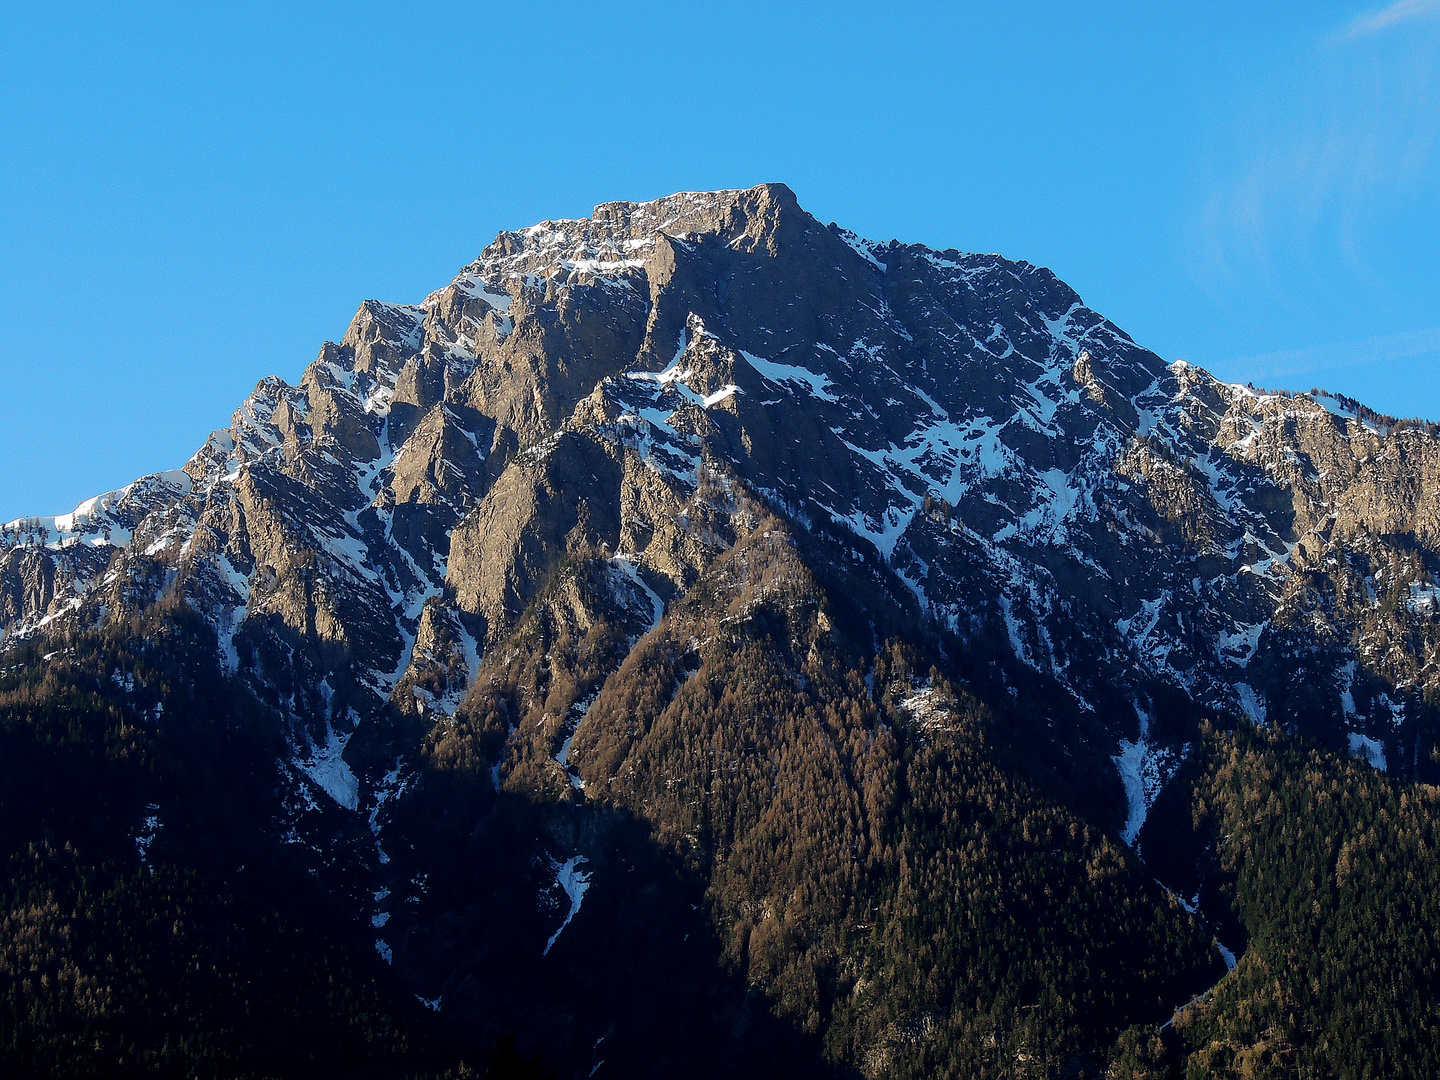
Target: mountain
(698, 637)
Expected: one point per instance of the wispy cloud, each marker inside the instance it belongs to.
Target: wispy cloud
(1373, 22)
(1313, 361)
(1322, 152)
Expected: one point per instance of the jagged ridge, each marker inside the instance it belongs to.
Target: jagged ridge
(996, 455)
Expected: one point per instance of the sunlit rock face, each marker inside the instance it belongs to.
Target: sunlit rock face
(953, 441)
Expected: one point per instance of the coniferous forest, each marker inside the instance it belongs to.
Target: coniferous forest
(840, 868)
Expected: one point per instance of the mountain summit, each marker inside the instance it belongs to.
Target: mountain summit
(712, 518)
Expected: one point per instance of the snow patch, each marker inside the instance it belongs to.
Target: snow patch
(1423, 599)
(1334, 407)
(146, 836)
(1362, 747)
(862, 247)
(1238, 646)
(1347, 697)
(576, 883)
(471, 285)
(327, 768)
(1250, 703)
(711, 400)
(672, 374)
(626, 565)
(1144, 768)
(1226, 955)
(562, 756)
(817, 385)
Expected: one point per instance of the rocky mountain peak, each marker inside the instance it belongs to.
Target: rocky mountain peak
(787, 604)
(960, 436)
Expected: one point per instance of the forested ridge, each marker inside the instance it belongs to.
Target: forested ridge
(1331, 871)
(201, 948)
(834, 864)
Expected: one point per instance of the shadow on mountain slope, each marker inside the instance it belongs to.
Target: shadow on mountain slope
(626, 979)
(155, 921)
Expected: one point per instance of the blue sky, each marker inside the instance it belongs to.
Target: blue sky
(191, 199)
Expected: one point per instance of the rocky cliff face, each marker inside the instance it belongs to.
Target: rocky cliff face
(604, 435)
(1006, 461)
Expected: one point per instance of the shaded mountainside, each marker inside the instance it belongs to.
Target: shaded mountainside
(697, 637)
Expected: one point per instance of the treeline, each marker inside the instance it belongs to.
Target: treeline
(1370, 416)
(149, 923)
(871, 862)
(861, 851)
